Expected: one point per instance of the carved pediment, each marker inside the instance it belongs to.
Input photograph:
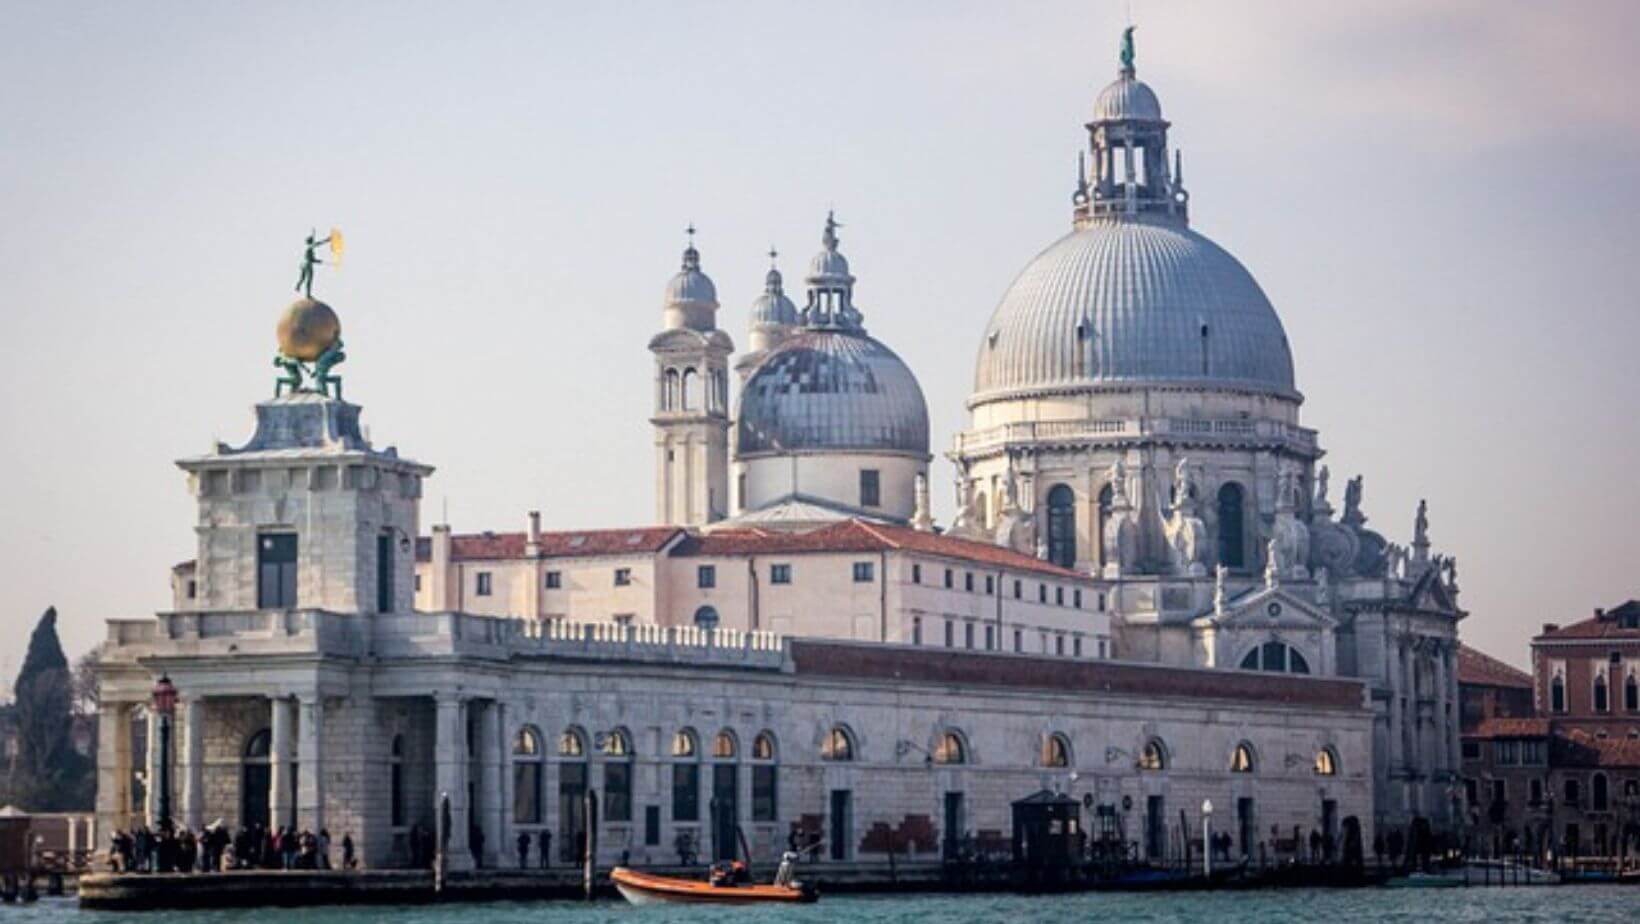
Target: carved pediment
(1270, 607)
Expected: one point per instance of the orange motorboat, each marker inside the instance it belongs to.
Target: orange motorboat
(726, 886)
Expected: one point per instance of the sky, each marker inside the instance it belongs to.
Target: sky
(1437, 197)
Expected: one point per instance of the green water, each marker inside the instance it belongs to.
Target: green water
(1546, 904)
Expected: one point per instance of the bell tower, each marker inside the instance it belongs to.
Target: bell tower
(691, 417)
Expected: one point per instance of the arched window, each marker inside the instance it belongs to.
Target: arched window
(1154, 756)
(691, 390)
(724, 745)
(1242, 760)
(1062, 526)
(572, 743)
(1573, 792)
(527, 776)
(1056, 751)
(1275, 657)
(839, 745)
(672, 392)
(950, 749)
(706, 618)
(1326, 762)
(1598, 796)
(617, 750)
(1557, 694)
(395, 771)
(1601, 704)
(685, 776)
(256, 775)
(1107, 496)
(1631, 694)
(765, 779)
(1232, 527)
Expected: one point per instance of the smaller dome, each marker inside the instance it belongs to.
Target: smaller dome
(832, 390)
(1127, 98)
(773, 308)
(690, 284)
(828, 265)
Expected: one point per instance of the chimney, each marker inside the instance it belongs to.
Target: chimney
(440, 568)
(1599, 613)
(1549, 627)
(532, 543)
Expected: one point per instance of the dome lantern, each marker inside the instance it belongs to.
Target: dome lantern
(831, 286)
(1128, 139)
(691, 297)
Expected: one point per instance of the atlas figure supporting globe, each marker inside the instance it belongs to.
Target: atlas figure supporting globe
(310, 334)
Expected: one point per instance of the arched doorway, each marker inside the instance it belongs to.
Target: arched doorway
(255, 779)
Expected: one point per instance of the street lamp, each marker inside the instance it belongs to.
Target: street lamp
(1207, 838)
(165, 706)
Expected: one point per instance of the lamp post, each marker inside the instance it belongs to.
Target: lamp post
(1207, 838)
(165, 707)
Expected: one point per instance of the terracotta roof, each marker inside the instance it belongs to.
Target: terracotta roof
(1583, 749)
(1480, 669)
(874, 661)
(1605, 624)
(567, 544)
(1500, 727)
(860, 536)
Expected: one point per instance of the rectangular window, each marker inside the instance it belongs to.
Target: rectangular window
(1471, 750)
(1506, 753)
(618, 790)
(1471, 792)
(740, 489)
(418, 583)
(384, 573)
(276, 571)
(990, 637)
(652, 824)
(864, 572)
(968, 635)
(916, 630)
(948, 578)
(485, 584)
(950, 634)
(990, 585)
(193, 589)
(1500, 791)
(1019, 642)
(968, 582)
(1077, 643)
(686, 792)
(1059, 596)
(1059, 645)
(623, 577)
(870, 489)
(916, 574)
(1600, 703)
(1042, 593)
(1535, 791)
(555, 580)
(1101, 649)
(706, 576)
(1631, 694)
(780, 574)
(1076, 599)
(1018, 590)
(1101, 602)
(764, 792)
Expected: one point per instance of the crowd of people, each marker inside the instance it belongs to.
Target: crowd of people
(169, 848)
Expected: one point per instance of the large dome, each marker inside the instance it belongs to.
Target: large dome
(1133, 301)
(829, 389)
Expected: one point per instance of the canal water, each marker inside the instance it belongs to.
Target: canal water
(1349, 906)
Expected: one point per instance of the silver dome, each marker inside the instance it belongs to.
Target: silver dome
(832, 389)
(1127, 98)
(773, 308)
(1133, 301)
(690, 284)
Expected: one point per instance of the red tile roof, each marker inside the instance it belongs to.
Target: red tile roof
(859, 536)
(873, 661)
(1607, 624)
(566, 544)
(1583, 749)
(1479, 669)
(1499, 727)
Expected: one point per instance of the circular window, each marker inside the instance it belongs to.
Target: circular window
(1274, 609)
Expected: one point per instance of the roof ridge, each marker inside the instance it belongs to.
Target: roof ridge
(873, 530)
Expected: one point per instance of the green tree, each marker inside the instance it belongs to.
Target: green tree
(49, 775)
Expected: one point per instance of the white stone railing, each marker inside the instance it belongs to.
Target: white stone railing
(563, 630)
(1132, 428)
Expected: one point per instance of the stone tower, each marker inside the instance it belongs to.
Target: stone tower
(691, 401)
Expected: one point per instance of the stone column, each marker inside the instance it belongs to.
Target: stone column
(1409, 726)
(150, 801)
(489, 783)
(1438, 755)
(280, 795)
(450, 772)
(310, 783)
(191, 761)
(1397, 689)
(113, 765)
(1454, 746)
(506, 849)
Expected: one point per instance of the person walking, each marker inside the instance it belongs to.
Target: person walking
(523, 850)
(348, 860)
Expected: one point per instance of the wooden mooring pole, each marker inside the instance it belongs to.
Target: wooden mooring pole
(589, 859)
